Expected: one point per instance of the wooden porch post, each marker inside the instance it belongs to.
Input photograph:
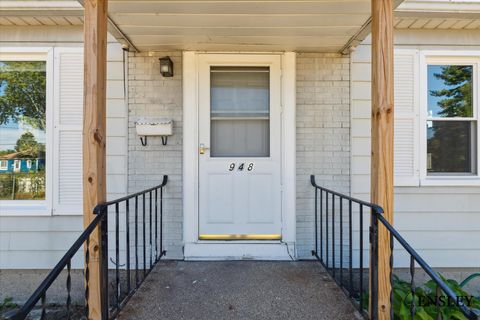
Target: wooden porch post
(94, 133)
(382, 139)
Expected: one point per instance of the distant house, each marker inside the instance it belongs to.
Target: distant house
(16, 162)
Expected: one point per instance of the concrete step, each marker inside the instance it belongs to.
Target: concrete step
(239, 290)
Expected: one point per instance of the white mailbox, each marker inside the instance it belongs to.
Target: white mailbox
(162, 127)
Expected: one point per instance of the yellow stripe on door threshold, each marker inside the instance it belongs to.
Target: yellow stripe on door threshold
(240, 237)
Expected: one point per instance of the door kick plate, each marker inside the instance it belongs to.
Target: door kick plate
(240, 237)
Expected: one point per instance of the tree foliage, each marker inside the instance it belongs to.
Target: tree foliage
(6, 151)
(28, 146)
(23, 93)
(457, 94)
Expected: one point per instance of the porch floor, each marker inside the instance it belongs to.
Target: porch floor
(239, 290)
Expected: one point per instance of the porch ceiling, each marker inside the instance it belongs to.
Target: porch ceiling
(267, 25)
(230, 25)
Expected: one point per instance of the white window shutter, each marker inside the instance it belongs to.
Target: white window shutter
(68, 115)
(406, 163)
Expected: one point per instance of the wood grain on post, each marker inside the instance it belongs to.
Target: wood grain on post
(94, 133)
(382, 139)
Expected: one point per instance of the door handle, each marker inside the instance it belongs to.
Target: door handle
(202, 148)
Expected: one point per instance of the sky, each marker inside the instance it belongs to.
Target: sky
(11, 131)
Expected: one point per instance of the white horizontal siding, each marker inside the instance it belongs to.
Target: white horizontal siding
(35, 259)
(442, 223)
(38, 242)
(46, 35)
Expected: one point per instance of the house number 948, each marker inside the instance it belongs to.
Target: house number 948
(241, 166)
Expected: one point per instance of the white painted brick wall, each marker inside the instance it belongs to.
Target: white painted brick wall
(151, 96)
(323, 134)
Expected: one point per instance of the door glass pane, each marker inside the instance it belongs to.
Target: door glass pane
(450, 91)
(240, 111)
(451, 147)
(240, 138)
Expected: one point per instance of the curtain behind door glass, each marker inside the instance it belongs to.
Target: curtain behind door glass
(240, 111)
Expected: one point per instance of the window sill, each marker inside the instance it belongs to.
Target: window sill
(455, 181)
(23, 208)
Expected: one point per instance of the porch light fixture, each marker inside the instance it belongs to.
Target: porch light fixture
(166, 66)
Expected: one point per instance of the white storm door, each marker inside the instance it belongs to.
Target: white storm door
(239, 147)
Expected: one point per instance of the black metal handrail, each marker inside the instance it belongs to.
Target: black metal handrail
(65, 262)
(109, 310)
(350, 279)
(415, 258)
(325, 210)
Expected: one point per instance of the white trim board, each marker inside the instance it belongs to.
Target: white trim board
(228, 250)
(222, 250)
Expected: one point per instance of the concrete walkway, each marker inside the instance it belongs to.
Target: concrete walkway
(238, 290)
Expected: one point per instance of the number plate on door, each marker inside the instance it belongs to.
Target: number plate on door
(242, 166)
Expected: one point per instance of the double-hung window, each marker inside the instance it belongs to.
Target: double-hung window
(24, 113)
(41, 105)
(451, 121)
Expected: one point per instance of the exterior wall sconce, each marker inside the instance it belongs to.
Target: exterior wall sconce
(166, 66)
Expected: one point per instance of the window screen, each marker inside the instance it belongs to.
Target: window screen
(240, 111)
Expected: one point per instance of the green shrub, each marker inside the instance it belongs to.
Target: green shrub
(426, 293)
(7, 304)
(402, 300)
